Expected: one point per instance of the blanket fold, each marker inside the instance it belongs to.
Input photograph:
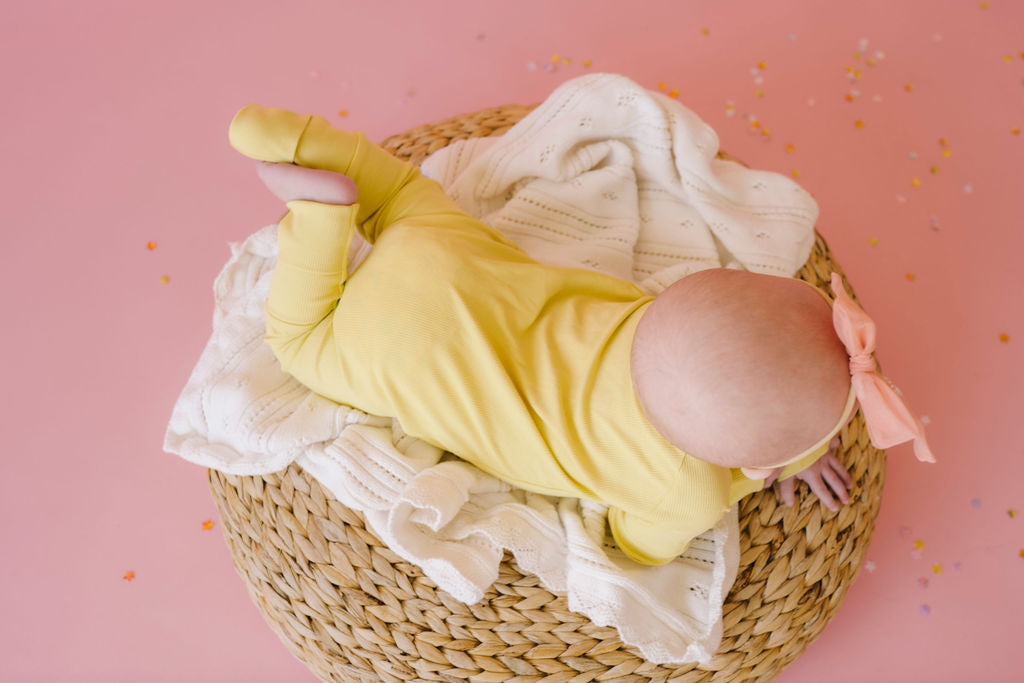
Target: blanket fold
(603, 175)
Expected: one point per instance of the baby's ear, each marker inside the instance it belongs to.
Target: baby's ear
(266, 133)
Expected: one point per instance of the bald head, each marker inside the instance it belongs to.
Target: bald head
(740, 369)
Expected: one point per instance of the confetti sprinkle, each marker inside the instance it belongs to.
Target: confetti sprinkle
(208, 524)
(1004, 337)
(343, 113)
(968, 188)
(761, 65)
(916, 182)
(905, 531)
(1015, 130)
(937, 37)
(1012, 513)
(936, 569)
(587, 63)
(673, 93)
(934, 170)
(1022, 552)
(151, 245)
(129, 576)
(956, 567)
(935, 223)
(925, 420)
(876, 98)
(164, 280)
(1008, 58)
(911, 277)
(532, 66)
(869, 565)
(480, 36)
(873, 241)
(922, 582)
(706, 31)
(916, 554)
(759, 93)
(901, 199)
(795, 173)
(908, 88)
(926, 610)
(919, 544)
(790, 148)
(984, 5)
(314, 75)
(810, 102)
(975, 503)
(792, 37)
(859, 124)
(555, 59)
(947, 153)
(913, 156)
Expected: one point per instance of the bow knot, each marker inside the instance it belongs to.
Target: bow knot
(888, 419)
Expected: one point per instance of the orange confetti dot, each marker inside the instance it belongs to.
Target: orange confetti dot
(761, 65)
(849, 97)
(151, 245)
(919, 545)
(908, 87)
(795, 173)
(1022, 552)
(850, 69)
(662, 86)
(129, 576)
(343, 113)
(944, 142)
(984, 5)
(164, 280)
(766, 132)
(1015, 130)
(790, 148)
(755, 124)
(936, 568)
(859, 124)
(555, 59)
(1004, 337)
(916, 182)
(208, 524)
(674, 93)
(911, 277)
(587, 63)
(873, 241)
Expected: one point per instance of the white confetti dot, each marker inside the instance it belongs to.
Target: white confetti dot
(792, 37)
(913, 156)
(810, 102)
(532, 66)
(877, 98)
(869, 565)
(926, 420)
(968, 188)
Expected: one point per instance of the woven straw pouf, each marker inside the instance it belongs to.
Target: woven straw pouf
(352, 610)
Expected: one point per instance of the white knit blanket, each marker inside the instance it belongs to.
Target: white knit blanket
(605, 175)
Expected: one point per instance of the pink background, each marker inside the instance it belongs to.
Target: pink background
(115, 119)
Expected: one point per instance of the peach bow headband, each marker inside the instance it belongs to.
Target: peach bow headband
(888, 420)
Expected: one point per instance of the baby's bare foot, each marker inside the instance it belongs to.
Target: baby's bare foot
(289, 182)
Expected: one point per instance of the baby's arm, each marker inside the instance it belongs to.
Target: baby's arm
(389, 189)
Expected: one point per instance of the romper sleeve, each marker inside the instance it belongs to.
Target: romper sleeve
(653, 542)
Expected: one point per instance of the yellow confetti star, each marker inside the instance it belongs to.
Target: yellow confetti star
(759, 93)
(1007, 58)
(916, 182)
(943, 142)
(984, 5)
(1012, 513)
(859, 124)
(1022, 552)
(918, 545)
(871, 62)
(151, 245)
(706, 31)
(164, 280)
(1015, 131)
(873, 241)
(795, 173)
(208, 524)
(934, 170)
(947, 153)
(1004, 337)
(766, 132)
(936, 568)
(587, 63)
(790, 148)
(555, 59)
(674, 93)
(566, 60)
(908, 87)
(662, 86)
(128, 576)
(911, 277)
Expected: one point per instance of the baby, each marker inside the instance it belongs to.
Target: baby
(562, 381)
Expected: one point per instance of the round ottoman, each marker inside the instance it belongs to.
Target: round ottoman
(352, 610)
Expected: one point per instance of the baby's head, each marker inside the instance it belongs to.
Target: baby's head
(740, 369)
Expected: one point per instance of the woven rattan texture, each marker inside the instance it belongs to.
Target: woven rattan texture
(352, 610)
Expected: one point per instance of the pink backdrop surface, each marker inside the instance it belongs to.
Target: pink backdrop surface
(114, 135)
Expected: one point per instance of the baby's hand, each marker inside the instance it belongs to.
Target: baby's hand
(289, 182)
(826, 472)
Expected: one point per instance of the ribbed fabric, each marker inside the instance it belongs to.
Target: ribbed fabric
(448, 326)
